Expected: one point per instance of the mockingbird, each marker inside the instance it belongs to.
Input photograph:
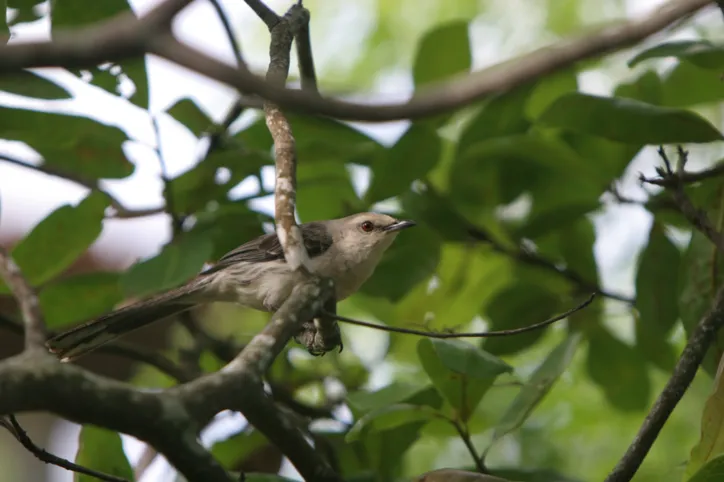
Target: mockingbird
(255, 275)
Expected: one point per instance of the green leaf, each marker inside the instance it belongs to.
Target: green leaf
(67, 14)
(442, 53)
(30, 84)
(398, 392)
(516, 306)
(538, 385)
(619, 370)
(234, 450)
(411, 158)
(79, 298)
(628, 120)
(713, 471)
(563, 17)
(174, 265)
(461, 372)
(190, 115)
(228, 225)
(711, 442)
(102, 450)
(657, 297)
(325, 191)
(252, 477)
(549, 88)
(436, 212)
(677, 91)
(69, 144)
(412, 258)
(388, 418)
(58, 240)
(646, 88)
(699, 52)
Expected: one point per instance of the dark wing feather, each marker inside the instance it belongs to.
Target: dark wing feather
(268, 248)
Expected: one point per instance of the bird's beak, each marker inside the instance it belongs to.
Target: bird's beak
(399, 225)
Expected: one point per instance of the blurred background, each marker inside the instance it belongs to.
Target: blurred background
(364, 50)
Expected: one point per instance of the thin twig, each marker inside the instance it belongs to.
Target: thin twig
(684, 372)
(465, 436)
(177, 219)
(120, 210)
(21, 436)
(305, 59)
(28, 301)
(235, 48)
(484, 334)
(686, 178)
(265, 13)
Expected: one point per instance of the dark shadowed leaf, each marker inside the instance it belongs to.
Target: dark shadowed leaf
(175, 264)
(461, 372)
(619, 370)
(412, 258)
(435, 210)
(442, 53)
(711, 442)
(413, 156)
(533, 475)
(519, 305)
(628, 120)
(100, 449)
(252, 477)
(29, 84)
(325, 191)
(388, 418)
(72, 14)
(657, 300)
(229, 226)
(699, 52)
(711, 472)
(538, 385)
(79, 298)
(73, 145)
(190, 115)
(677, 82)
(58, 240)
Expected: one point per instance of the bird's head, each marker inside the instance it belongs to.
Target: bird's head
(368, 235)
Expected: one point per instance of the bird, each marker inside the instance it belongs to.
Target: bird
(254, 275)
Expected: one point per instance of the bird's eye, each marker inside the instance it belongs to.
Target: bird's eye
(367, 226)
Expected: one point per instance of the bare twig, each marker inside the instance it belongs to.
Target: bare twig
(19, 433)
(28, 301)
(684, 371)
(265, 13)
(484, 334)
(120, 210)
(307, 73)
(235, 48)
(685, 178)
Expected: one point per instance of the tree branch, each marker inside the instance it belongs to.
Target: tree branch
(484, 334)
(28, 301)
(125, 36)
(305, 59)
(265, 13)
(19, 433)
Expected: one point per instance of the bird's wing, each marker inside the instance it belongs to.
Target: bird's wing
(267, 247)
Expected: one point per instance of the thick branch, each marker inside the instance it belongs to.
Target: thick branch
(28, 301)
(692, 356)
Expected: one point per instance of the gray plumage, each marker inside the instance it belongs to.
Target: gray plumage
(255, 275)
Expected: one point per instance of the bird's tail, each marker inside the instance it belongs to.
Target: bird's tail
(89, 336)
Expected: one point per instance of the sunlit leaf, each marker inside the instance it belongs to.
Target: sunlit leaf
(442, 53)
(175, 264)
(101, 449)
(79, 298)
(711, 442)
(676, 86)
(646, 88)
(364, 401)
(538, 385)
(58, 240)
(628, 120)
(388, 418)
(409, 159)
(549, 88)
(235, 449)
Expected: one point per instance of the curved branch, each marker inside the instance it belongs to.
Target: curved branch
(25, 295)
